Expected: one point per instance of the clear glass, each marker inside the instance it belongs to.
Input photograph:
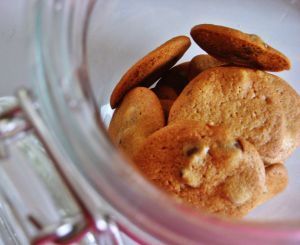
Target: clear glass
(79, 41)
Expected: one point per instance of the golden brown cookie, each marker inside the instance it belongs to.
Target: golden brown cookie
(147, 70)
(240, 100)
(165, 92)
(239, 48)
(139, 115)
(290, 102)
(204, 167)
(176, 78)
(201, 63)
(276, 180)
(166, 105)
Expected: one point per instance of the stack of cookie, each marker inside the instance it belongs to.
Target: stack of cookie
(213, 132)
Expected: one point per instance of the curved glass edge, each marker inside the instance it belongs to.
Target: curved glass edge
(30, 186)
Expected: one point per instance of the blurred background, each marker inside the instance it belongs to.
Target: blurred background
(13, 46)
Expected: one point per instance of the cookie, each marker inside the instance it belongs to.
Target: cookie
(290, 102)
(276, 180)
(165, 92)
(176, 78)
(147, 70)
(239, 48)
(201, 63)
(239, 99)
(166, 105)
(139, 115)
(205, 167)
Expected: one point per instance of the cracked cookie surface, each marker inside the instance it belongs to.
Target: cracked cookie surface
(205, 167)
(240, 99)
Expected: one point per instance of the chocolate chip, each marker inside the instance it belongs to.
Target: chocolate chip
(192, 151)
(268, 100)
(181, 173)
(239, 145)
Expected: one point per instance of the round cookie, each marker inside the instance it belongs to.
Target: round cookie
(239, 48)
(204, 167)
(238, 99)
(139, 115)
(147, 70)
(177, 77)
(276, 180)
(201, 63)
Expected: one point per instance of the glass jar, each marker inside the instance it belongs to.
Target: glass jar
(79, 50)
